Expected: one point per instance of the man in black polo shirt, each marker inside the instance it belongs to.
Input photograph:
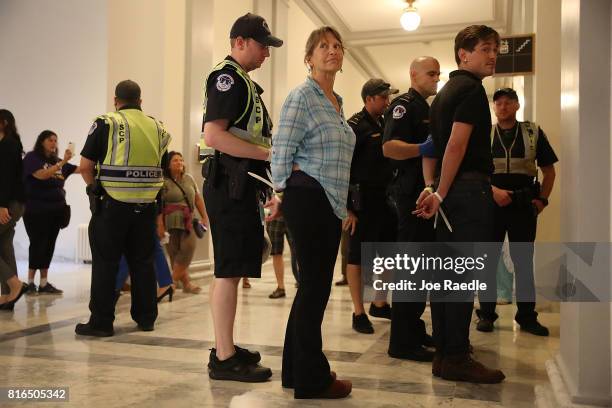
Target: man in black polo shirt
(461, 127)
(406, 137)
(370, 217)
(517, 147)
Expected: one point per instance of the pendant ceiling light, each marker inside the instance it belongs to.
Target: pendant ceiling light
(410, 19)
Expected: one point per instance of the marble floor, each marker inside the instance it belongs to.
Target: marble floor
(167, 367)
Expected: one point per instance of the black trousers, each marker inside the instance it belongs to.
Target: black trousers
(8, 263)
(469, 208)
(376, 222)
(407, 327)
(122, 229)
(43, 229)
(520, 223)
(316, 236)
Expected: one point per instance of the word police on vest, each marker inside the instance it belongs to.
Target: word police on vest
(153, 173)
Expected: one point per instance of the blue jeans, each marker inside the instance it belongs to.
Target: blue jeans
(162, 271)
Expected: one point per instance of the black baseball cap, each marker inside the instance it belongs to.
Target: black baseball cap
(253, 26)
(127, 90)
(509, 92)
(377, 86)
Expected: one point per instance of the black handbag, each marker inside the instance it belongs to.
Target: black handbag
(198, 228)
(65, 217)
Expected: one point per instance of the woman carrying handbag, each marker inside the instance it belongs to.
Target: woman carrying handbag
(180, 197)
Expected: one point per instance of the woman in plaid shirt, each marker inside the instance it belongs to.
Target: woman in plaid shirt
(311, 163)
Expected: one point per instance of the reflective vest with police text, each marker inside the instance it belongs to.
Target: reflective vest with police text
(131, 171)
(254, 111)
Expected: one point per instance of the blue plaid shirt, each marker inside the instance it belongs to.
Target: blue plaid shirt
(313, 135)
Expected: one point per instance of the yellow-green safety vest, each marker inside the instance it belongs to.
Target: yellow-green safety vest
(254, 108)
(131, 171)
(518, 165)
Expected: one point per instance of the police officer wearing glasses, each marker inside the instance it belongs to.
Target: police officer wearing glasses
(237, 128)
(121, 164)
(518, 148)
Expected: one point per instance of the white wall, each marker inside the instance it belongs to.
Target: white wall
(53, 66)
(584, 358)
(225, 13)
(546, 104)
(152, 53)
(610, 186)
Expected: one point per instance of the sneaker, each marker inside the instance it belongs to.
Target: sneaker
(86, 329)
(247, 356)
(234, 369)
(278, 293)
(463, 367)
(534, 328)
(31, 289)
(50, 289)
(485, 325)
(362, 324)
(383, 312)
(342, 282)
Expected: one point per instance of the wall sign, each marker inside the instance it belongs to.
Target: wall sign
(516, 55)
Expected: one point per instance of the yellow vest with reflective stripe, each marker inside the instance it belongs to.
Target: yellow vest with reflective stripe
(253, 107)
(131, 171)
(518, 165)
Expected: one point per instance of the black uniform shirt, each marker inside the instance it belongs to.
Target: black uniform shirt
(463, 99)
(407, 119)
(369, 167)
(227, 98)
(545, 156)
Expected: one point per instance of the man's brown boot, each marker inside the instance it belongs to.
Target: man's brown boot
(436, 366)
(463, 367)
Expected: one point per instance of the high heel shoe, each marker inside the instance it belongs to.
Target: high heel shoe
(169, 292)
(11, 304)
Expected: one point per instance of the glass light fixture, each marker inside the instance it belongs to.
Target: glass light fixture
(410, 19)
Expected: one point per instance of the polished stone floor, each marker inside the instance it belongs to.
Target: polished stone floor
(166, 367)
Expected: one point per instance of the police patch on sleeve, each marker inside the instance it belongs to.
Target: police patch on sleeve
(92, 128)
(224, 82)
(398, 112)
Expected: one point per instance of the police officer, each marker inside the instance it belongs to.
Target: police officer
(238, 128)
(370, 217)
(121, 164)
(405, 139)
(517, 148)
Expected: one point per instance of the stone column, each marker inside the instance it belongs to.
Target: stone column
(581, 371)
